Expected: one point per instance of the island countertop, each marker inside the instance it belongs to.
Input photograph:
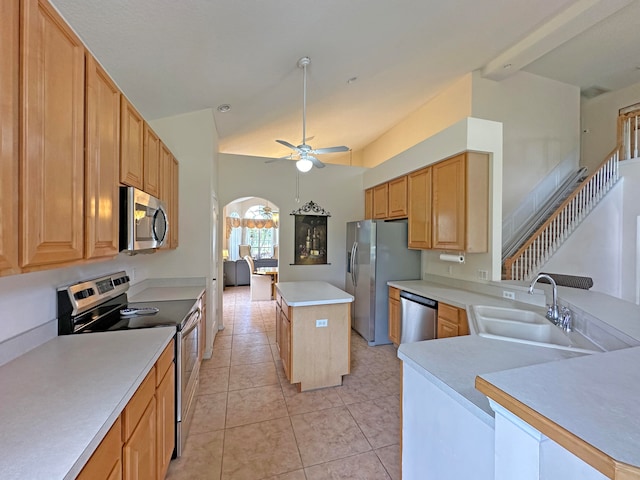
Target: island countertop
(59, 400)
(303, 294)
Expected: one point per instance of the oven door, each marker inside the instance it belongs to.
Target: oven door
(188, 371)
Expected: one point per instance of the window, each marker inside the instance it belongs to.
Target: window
(260, 231)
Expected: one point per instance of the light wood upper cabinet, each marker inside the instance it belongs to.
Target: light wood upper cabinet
(381, 201)
(151, 164)
(131, 145)
(397, 195)
(174, 215)
(9, 63)
(368, 204)
(460, 196)
(102, 165)
(52, 139)
(419, 208)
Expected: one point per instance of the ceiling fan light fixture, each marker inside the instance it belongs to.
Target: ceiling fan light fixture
(304, 165)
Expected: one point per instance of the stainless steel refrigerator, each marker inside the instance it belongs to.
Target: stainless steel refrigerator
(377, 253)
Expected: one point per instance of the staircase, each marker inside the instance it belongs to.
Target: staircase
(540, 238)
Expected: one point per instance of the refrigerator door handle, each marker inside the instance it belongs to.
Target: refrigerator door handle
(354, 264)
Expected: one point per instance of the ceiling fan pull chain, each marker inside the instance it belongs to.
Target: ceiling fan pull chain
(297, 186)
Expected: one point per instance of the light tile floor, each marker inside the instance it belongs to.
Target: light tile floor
(250, 423)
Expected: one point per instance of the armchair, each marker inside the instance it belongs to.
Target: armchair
(260, 284)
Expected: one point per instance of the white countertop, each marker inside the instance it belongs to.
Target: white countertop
(303, 294)
(157, 294)
(452, 364)
(60, 399)
(594, 397)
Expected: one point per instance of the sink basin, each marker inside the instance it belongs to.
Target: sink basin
(525, 326)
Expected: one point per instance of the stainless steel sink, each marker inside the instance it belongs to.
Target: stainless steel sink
(525, 326)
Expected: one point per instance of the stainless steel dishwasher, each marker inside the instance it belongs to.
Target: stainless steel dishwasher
(418, 318)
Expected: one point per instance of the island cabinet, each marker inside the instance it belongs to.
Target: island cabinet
(460, 203)
(131, 145)
(394, 315)
(51, 139)
(419, 208)
(102, 163)
(9, 64)
(452, 321)
(313, 326)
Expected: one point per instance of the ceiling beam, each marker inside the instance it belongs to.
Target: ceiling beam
(575, 19)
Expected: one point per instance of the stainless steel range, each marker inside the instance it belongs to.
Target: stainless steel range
(101, 305)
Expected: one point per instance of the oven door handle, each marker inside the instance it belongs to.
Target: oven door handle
(192, 321)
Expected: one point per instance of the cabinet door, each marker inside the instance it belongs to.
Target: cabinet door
(449, 202)
(368, 204)
(105, 463)
(131, 145)
(381, 201)
(52, 138)
(419, 208)
(285, 344)
(102, 167)
(398, 197)
(394, 315)
(166, 187)
(447, 329)
(139, 452)
(166, 421)
(151, 164)
(9, 63)
(174, 209)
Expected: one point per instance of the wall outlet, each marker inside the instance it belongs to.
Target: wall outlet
(322, 322)
(132, 275)
(483, 274)
(509, 295)
(450, 269)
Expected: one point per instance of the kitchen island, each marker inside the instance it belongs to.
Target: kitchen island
(313, 333)
(551, 413)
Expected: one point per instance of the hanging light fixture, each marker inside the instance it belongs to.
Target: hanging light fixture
(304, 164)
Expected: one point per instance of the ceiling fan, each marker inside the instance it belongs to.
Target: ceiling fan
(304, 151)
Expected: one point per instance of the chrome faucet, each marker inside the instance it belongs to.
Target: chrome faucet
(553, 313)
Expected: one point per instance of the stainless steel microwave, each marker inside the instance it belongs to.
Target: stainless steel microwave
(143, 221)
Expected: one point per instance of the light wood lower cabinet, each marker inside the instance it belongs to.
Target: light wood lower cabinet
(140, 444)
(314, 357)
(106, 463)
(394, 315)
(452, 321)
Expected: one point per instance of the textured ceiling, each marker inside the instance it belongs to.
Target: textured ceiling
(172, 57)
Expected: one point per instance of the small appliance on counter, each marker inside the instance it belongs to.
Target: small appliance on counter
(377, 253)
(143, 221)
(101, 305)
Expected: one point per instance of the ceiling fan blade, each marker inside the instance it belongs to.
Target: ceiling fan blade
(316, 163)
(288, 145)
(320, 151)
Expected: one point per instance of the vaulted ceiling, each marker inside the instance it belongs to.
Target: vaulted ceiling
(373, 62)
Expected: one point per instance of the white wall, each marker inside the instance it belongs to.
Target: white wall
(600, 118)
(541, 119)
(336, 188)
(193, 139)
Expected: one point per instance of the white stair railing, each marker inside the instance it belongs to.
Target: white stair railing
(526, 262)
